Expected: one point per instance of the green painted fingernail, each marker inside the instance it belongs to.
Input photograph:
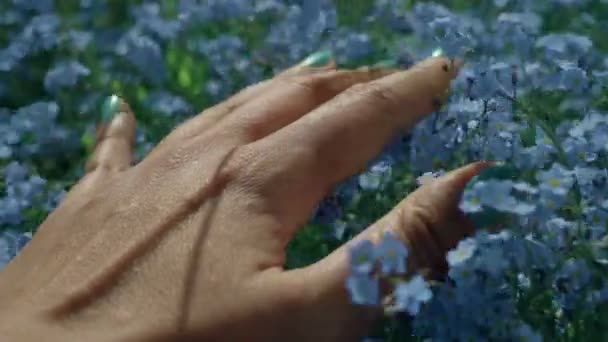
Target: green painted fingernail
(319, 58)
(110, 107)
(437, 52)
(388, 63)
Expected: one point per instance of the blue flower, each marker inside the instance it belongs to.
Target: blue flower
(527, 334)
(5, 151)
(78, 39)
(592, 182)
(578, 151)
(11, 243)
(41, 33)
(148, 17)
(196, 11)
(529, 21)
(10, 211)
(589, 122)
(12, 16)
(339, 229)
(410, 295)
(363, 289)
(13, 54)
(14, 172)
(5, 250)
(377, 176)
(496, 194)
(35, 5)
(453, 39)
(566, 46)
(557, 180)
(352, 47)
(537, 253)
(558, 233)
(363, 257)
(492, 261)
(596, 218)
(463, 252)
(65, 74)
(143, 53)
(598, 137)
(573, 78)
(167, 103)
(576, 273)
(392, 254)
(471, 199)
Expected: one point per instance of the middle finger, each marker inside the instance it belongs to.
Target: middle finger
(290, 98)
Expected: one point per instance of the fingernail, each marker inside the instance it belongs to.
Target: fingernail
(454, 65)
(318, 59)
(110, 108)
(437, 52)
(387, 63)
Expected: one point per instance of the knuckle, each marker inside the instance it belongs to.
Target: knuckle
(97, 166)
(380, 96)
(255, 167)
(312, 83)
(117, 137)
(417, 224)
(184, 130)
(241, 165)
(175, 157)
(419, 217)
(410, 221)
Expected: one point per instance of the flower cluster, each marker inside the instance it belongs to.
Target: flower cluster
(532, 95)
(364, 281)
(535, 101)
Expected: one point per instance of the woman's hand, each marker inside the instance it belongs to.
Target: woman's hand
(190, 243)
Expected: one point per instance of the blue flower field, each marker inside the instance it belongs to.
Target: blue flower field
(533, 95)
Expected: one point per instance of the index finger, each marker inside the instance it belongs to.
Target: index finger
(339, 138)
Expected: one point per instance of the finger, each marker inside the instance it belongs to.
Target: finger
(209, 117)
(291, 97)
(115, 138)
(322, 60)
(300, 163)
(424, 221)
(323, 284)
(429, 221)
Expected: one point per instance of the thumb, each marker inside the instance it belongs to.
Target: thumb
(428, 221)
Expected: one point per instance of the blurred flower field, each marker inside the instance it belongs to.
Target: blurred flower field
(533, 94)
